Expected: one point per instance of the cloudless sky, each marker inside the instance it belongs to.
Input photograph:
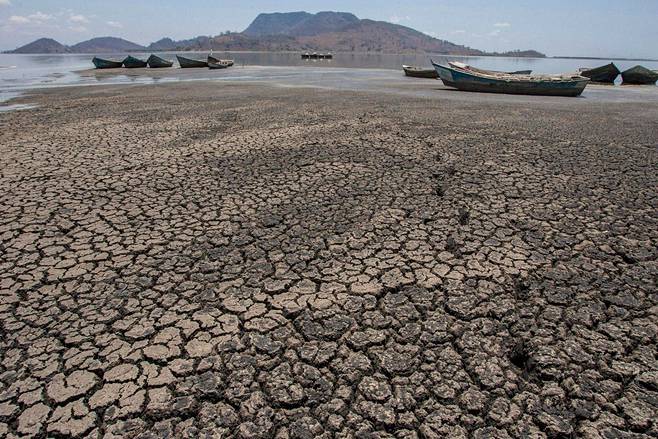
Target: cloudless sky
(606, 28)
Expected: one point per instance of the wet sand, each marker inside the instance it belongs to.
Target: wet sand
(223, 259)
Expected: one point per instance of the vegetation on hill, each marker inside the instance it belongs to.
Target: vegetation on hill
(293, 31)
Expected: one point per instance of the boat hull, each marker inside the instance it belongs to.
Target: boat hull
(416, 72)
(639, 75)
(444, 75)
(155, 62)
(187, 63)
(606, 74)
(216, 65)
(467, 81)
(133, 63)
(100, 63)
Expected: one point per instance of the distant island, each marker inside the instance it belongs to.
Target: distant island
(291, 31)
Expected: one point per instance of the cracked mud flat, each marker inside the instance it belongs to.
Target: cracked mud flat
(195, 260)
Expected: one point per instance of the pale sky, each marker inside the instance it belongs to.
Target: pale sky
(604, 28)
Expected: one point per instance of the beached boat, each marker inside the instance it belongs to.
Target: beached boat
(187, 63)
(155, 62)
(133, 63)
(463, 66)
(223, 62)
(444, 75)
(216, 65)
(420, 72)
(544, 85)
(640, 76)
(604, 74)
(101, 63)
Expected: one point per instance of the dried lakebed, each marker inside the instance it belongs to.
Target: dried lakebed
(204, 260)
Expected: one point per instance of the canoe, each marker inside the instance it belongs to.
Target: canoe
(463, 66)
(155, 62)
(639, 75)
(133, 63)
(419, 72)
(100, 63)
(187, 63)
(604, 74)
(544, 85)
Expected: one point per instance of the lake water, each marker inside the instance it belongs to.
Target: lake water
(19, 73)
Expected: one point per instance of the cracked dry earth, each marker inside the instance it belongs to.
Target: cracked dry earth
(215, 261)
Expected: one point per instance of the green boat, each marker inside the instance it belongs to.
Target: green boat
(542, 85)
(155, 62)
(639, 75)
(133, 63)
(605, 74)
(187, 63)
(100, 63)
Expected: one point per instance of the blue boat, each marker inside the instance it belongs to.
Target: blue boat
(543, 85)
(444, 74)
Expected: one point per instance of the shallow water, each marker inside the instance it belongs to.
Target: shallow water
(19, 73)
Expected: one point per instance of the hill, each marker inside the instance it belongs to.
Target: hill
(298, 24)
(106, 45)
(292, 31)
(43, 45)
(275, 24)
(345, 32)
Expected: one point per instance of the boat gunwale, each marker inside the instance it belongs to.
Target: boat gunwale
(507, 77)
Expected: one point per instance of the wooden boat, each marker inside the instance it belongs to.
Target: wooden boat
(640, 76)
(419, 72)
(444, 74)
(463, 66)
(133, 63)
(223, 62)
(604, 74)
(187, 63)
(544, 85)
(216, 65)
(155, 62)
(100, 63)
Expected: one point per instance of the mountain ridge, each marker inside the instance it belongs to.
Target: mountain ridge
(288, 31)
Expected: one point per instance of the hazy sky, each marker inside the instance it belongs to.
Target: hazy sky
(620, 28)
